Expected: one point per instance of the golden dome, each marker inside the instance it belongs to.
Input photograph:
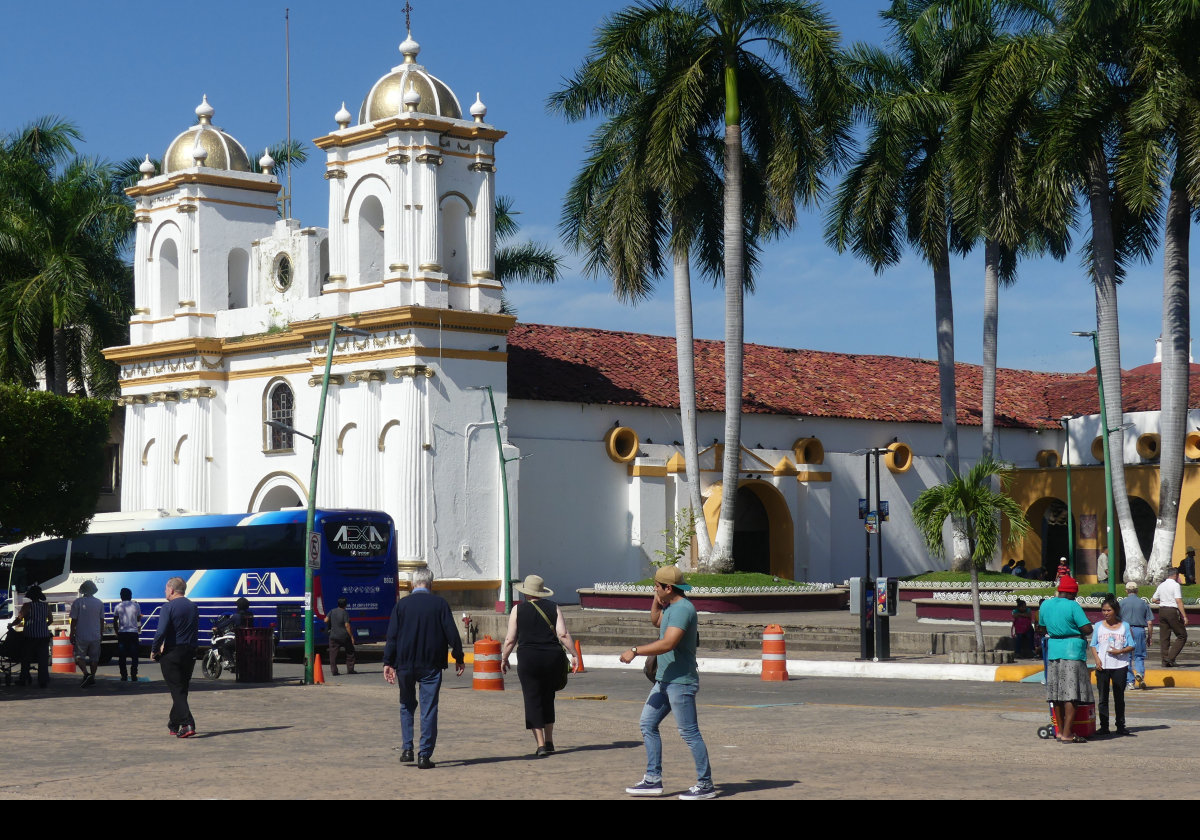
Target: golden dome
(205, 145)
(387, 97)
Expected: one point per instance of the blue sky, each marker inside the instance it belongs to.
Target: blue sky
(131, 73)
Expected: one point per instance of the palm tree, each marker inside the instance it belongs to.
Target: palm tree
(65, 288)
(1077, 75)
(992, 166)
(762, 72)
(624, 218)
(973, 505)
(1165, 118)
(899, 187)
(523, 262)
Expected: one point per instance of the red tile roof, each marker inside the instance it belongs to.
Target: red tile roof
(573, 364)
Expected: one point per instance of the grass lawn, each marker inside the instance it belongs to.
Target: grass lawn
(964, 577)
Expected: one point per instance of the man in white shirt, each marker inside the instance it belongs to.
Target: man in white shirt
(87, 626)
(1171, 617)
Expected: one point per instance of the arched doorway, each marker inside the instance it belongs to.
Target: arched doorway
(762, 530)
(751, 534)
(1048, 539)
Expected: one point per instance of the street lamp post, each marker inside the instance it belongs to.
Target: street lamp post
(1066, 421)
(1111, 545)
(312, 548)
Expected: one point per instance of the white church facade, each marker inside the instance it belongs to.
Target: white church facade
(234, 307)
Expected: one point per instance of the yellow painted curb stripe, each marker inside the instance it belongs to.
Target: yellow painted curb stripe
(1015, 673)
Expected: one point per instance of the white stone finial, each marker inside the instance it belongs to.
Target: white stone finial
(410, 49)
(342, 117)
(412, 97)
(199, 153)
(266, 162)
(146, 168)
(478, 110)
(204, 111)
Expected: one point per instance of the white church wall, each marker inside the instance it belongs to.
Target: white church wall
(591, 528)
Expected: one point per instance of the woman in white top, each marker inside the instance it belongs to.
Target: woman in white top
(1112, 644)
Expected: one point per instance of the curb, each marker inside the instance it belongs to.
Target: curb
(810, 668)
(1156, 678)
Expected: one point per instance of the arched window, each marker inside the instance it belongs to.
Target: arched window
(239, 278)
(168, 279)
(370, 241)
(280, 407)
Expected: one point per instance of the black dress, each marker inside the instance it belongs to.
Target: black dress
(539, 660)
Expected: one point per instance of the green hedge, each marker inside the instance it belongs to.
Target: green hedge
(52, 461)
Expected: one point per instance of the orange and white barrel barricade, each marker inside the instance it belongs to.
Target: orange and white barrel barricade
(774, 657)
(62, 655)
(485, 670)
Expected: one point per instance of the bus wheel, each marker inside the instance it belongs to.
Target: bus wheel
(212, 665)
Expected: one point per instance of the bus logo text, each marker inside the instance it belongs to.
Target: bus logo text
(253, 583)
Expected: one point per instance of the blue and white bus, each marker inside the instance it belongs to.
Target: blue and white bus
(223, 557)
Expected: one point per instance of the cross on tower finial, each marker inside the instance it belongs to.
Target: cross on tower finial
(408, 15)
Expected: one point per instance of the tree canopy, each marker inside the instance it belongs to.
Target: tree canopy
(54, 459)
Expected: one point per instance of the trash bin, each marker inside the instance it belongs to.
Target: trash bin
(255, 652)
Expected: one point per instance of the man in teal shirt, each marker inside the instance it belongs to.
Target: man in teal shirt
(1067, 628)
(676, 683)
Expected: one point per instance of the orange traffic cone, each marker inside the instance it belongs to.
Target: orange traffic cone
(485, 669)
(579, 669)
(62, 655)
(774, 661)
(318, 671)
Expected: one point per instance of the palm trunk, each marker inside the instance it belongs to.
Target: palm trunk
(59, 385)
(944, 316)
(721, 557)
(1176, 329)
(991, 313)
(976, 615)
(685, 357)
(1104, 255)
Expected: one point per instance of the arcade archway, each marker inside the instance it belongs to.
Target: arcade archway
(763, 536)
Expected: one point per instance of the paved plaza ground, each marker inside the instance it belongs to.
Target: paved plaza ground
(808, 738)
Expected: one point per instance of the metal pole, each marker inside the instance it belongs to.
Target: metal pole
(882, 629)
(879, 520)
(866, 642)
(1066, 421)
(312, 512)
(287, 50)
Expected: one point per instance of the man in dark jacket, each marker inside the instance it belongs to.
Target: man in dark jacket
(174, 647)
(421, 630)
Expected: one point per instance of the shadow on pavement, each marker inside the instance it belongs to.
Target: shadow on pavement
(471, 762)
(754, 784)
(221, 732)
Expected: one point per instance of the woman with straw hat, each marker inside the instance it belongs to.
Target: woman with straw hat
(536, 627)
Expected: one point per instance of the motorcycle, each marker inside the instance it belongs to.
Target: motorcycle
(220, 655)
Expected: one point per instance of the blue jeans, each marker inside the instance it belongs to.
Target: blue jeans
(1137, 663)
(679, 698)
(430, 684)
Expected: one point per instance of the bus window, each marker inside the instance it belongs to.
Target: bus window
(39, 563)
(90, 553)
